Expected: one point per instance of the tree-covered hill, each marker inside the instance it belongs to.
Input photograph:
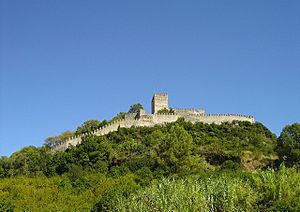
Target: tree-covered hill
(126, 164)
(177, 148)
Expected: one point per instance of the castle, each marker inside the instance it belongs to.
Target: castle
(161, 113)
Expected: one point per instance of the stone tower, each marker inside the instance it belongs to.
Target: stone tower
(159, 102)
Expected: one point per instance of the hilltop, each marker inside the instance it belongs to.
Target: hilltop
(161, 114)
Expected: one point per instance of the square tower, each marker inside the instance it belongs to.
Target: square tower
(159, 102)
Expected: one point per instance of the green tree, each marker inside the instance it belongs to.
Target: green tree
(135, 108)
(89, 126)
(55, 140)
(118, 117)
(162, 111)
(288, 145)
(28, 161)
(174, 151)
(95, 154)
(4, 166)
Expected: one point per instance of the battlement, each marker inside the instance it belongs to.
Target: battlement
(160, 94)
(159, 101)
(190, 111)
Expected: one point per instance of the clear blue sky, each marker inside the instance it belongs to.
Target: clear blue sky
(65, 62)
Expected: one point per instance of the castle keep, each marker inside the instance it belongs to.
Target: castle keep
(160, 101)
(160, 114)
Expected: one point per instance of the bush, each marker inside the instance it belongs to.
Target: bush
(230, 165)
(122, 189)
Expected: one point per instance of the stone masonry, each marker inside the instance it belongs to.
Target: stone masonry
(159, 101)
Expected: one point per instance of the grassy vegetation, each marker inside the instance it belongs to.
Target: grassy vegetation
(262, 190)
(225, 191)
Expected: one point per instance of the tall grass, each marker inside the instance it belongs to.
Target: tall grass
(278, 190)
(262, 190)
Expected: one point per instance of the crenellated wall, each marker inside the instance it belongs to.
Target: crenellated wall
(183, 111)
(218, 118)
(150, 120)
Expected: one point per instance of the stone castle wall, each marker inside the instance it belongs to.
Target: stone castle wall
(183, 111)
(218, 118)
(150, 120)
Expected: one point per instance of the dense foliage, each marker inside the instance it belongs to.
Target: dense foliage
(289, 145)
(267, 190)
(54, 140)
(227, 167)
(89, 126)
(135, 108)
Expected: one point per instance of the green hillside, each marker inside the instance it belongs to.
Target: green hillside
(178, 166)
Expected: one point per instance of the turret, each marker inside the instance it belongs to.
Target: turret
(159, 101)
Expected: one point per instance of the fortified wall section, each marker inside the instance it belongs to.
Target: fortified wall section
(218, 118)
(75, 140)
(181, 111)
(151, 120)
